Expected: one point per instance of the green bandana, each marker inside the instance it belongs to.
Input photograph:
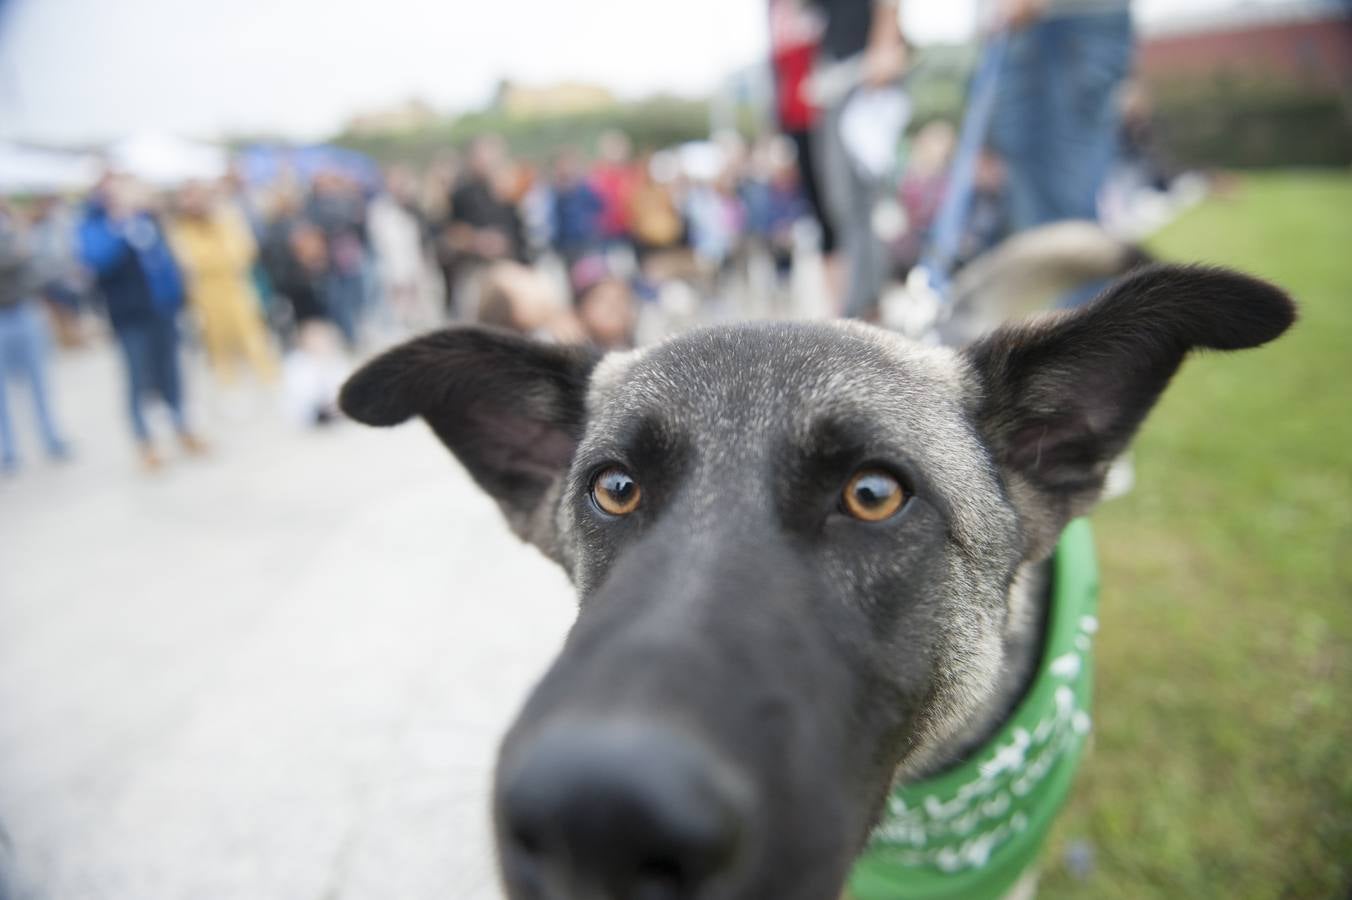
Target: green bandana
(973, 831)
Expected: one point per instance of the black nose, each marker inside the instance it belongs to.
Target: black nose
(631, 811)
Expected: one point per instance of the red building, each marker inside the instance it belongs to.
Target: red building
(1253, 85)
(1307, 44)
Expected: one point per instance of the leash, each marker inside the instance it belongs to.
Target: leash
(928, 284)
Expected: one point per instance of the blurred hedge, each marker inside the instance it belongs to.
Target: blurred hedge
(1233, 123)
(1224, 121)
(652, 123)
(1209, 123)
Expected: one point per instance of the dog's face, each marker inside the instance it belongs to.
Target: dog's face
(793, 547)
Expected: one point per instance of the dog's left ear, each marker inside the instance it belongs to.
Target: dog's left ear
(511, 409)
(1061, 396)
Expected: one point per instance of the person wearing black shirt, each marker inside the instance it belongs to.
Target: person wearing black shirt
(861, 46)
(23, 342)
(484, 225)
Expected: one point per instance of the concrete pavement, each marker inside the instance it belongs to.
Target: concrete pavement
(279, 672)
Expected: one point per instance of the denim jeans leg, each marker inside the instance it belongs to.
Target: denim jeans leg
(11, 342)
(1056, 118)
(164, 357)
(9, 451)
(1097, 53)
(135, 343)
(23, 357)
(35, 345)
(1017, 127)
(343, 296)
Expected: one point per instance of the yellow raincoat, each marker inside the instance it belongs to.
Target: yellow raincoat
(216, 252)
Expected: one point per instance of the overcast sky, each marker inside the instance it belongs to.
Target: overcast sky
(77, 70)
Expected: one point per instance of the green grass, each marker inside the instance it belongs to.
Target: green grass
(1222, 759)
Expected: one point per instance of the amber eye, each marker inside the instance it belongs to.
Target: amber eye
(872, 495)
(616, 492)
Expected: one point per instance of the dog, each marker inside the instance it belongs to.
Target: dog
(806, 558)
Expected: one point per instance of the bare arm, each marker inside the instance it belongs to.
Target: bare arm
(885, 56)
(1018, 13)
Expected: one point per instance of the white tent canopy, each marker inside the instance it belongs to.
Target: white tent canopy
(165, 161)
(30, 170)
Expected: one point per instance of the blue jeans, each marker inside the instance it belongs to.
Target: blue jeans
(1056, 116)
(345, 294)
(24, 353)
(150, 350)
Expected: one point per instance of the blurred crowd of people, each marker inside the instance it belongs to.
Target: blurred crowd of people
(284, 276)
(585, 248)
(283, 282)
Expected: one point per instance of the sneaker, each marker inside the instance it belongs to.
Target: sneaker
(193, 445)
(151, 461)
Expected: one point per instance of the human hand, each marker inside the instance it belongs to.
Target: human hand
(1016, 14)
(564, 327)
(491, 243)
(884, 63)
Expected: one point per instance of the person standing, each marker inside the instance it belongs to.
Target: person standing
(1056, 123)
(337, 206)
(1057, 115)
(485, 228)
(485, 223)
(861, 47)
(216, 249)
(654, 218)
(24, 344)
(795, 31)
(135, 271)
(577, 212)
(397, 229)
(51, 235)
(614, 178)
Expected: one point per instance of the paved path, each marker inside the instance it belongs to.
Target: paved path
(280, 672)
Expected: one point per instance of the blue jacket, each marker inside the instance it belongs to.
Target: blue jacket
(577, 216)
(132, 264)
(784, 207)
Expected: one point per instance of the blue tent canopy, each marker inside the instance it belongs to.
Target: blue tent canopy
(263, 164)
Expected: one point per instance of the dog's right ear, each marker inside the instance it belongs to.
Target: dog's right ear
(511, 409)
(1059, 397)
